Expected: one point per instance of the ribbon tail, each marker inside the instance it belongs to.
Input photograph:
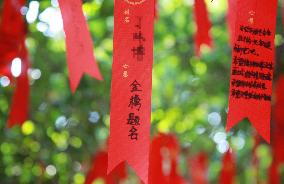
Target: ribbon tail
(139, 163)
(140, 168)
(262, 125)
(79, 45)
(20, 102)
(90, 67)
(258, 115)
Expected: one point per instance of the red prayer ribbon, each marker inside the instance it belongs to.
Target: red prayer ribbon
(156, 9)
(277, 130)
(12, 37)
(203, 26)
(198, 167)
(131, 85)
(252, 65)
(231, 19)
(99, 170)
(20, 103)
(164, 159)
(228, 170)
(79, 45)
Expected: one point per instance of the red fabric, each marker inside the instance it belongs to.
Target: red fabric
(203, 26)
(12, 31)
(99, 170)
(255, 160)
(79, 45)
(12, 37)
(251, 85)
(198, 169)
(277, 133)
(12, 23)
(163, 160)
(231, 19)
(274, 176)
(156, 9)
(279, 104)
(131, 88)
(257, 140)
(228, 170)
(20, 103)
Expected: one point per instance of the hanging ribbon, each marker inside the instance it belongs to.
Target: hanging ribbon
(156, 10)
(79, 45)
(12, 44)
(277, 133)
(12, 32)
(255, 160)
(252, 65)
(231, 19)
(203, 26)
(228, 170)
(131, 85)
(20, 102)
(164, 153)
(274, 175)
(99, 170)
(198, 167)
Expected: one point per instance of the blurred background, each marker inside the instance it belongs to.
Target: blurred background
(190, 98)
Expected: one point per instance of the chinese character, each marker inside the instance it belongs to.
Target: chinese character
(135, 102)
(139, 23)
(135, 86)
(133, 133)
(127, 12)
(126, 19)
(125, 74)
(251, 19)
(133, 120)
(138, 52)
(138, 36)
(125, 66)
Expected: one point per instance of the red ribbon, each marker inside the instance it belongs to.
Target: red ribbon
(203, 26)
(274, 175)
(231, 19)
(199, 169)
(278, 137)
(163, 160)
(20, 102)
(255, 160)
(79, 45)
(252, 65)
(131, 85)
(12, 37)
(277, 130)
(156, 9)
(228, 170)
(99, 170)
